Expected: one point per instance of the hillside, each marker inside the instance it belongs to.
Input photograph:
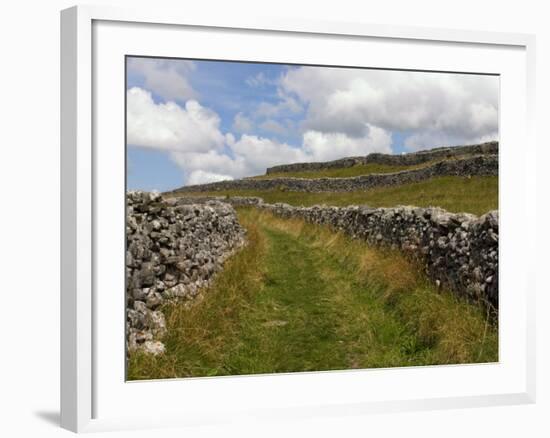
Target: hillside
(464, 179)
(463, 166)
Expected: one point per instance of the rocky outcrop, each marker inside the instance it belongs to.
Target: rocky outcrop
(173, 251)
(459, 251)
(484, 165)
(414, 158)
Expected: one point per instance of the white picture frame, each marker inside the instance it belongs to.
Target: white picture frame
(89, 397)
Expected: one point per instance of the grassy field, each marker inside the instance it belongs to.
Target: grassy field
(299, 297)
(476, 195)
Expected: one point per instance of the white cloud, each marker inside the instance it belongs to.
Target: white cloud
(241, 123)
(170, 126)
(202, 177)
(166, 78)
(449, 107)
(251, 155)
(321, 146)
(259, 153)
(192, 135)
(214, 162)
(347, 113)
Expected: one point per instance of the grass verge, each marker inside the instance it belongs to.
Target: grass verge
(300, 297)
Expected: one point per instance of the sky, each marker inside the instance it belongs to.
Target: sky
(193, 122)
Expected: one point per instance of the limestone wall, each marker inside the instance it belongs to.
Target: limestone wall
(173, 250)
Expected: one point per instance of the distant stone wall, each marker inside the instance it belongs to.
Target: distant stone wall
(420, 157)
(484, 165)
(320, 165)
(236, 201)
(490, 148)
(173, 250)
(459, 251)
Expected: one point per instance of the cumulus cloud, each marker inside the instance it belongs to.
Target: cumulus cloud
(322, 146)
(447, 108)
(166, 78)
(259, 153)
(251, 154)
(169, 126)
(191, 133)
(213, 162)
(202, 177)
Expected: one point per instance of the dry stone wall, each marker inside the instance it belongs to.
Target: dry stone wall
(484, 165)
(173, 250)
(420, 157)
(236, 201)
(489, 148)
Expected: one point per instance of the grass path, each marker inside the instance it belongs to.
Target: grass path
(301, 298)
(310, 314)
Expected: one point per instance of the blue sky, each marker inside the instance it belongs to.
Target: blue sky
(192, 122)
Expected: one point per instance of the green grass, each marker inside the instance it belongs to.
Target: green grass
(300, 297)
(477, 195)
